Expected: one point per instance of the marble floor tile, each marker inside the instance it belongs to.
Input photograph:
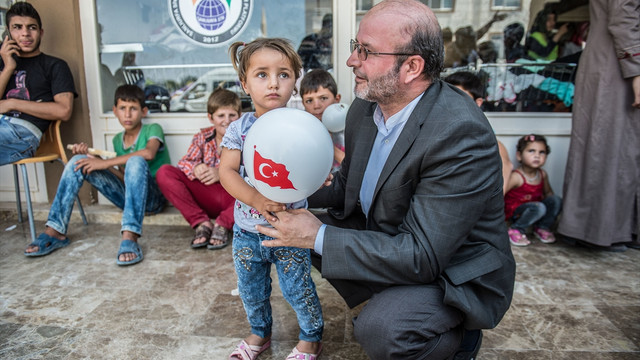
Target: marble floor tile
(569, 302)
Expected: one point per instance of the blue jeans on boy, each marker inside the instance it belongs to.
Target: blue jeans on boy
(138, 194)
(253, 266)
(541, 214)
(16, 142)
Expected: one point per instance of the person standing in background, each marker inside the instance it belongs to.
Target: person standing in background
(602, 177)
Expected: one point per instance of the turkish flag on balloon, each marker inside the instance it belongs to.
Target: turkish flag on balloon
(270, 172)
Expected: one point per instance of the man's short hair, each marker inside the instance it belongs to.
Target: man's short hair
(25, 9)
(129, 93)
(315, 79)
(223, 98)
(468, 81)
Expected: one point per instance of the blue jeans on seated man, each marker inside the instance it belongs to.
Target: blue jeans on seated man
(253, 266)
(541, 214)
(138, 194)
(16, 142)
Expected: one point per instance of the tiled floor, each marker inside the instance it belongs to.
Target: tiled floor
(570, 303)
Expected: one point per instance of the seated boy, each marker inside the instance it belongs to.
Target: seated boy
(319, 90)
(193, 187)
(140, 150)
(471, 84)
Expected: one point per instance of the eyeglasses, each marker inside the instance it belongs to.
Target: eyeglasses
(363, 53)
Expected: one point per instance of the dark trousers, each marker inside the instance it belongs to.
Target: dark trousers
(398, 322)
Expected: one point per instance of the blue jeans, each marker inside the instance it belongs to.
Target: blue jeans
(16, 142)
(138, 194)
(253, 266)
(540, 214)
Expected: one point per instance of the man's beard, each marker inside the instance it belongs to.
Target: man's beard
(380, 89)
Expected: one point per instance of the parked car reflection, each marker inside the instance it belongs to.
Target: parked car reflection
(157, 98)
(194, 97)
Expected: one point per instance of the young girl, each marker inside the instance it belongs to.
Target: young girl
(529, 199)
(268, 69)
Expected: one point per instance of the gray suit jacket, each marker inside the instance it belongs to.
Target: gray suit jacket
(437, 214)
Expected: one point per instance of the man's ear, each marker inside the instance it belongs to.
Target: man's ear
(414, 67)
(479, 101)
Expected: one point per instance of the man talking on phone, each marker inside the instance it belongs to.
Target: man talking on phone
(36, 88)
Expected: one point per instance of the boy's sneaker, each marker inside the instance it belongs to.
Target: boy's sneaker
(545, 236)
(517, 238)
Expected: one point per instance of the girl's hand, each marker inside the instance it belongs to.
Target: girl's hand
(267, 207)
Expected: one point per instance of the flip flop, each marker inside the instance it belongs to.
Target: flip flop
(245, 351)
(46, 245)
(128, 246)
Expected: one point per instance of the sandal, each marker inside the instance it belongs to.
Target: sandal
(298, 355)
(129, 246)
(202, 231)
(46, 245)
(219, 234)
(245, 351)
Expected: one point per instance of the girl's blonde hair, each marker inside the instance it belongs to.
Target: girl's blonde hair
(240, 57)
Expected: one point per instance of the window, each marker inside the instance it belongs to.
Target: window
(440, 5)
(180, 47)
(505, 4)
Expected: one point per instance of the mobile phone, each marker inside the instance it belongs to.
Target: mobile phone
(6, 33)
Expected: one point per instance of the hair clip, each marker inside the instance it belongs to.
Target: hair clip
(532, 138)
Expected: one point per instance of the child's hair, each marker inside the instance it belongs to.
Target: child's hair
(129, 93)
(240, 57)
(25, 9)
(522, 143)
(223, 98)
(316, 79)
(468, 81)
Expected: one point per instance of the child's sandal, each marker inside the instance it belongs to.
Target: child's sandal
(245, 351)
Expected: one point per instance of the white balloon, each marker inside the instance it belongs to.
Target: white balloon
(287, 154)
(334, 117)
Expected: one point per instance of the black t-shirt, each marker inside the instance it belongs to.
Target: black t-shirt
(38, 78)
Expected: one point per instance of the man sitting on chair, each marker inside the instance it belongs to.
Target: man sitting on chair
(36, 88)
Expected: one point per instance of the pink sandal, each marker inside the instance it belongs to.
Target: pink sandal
(297, 355)
(245, 351)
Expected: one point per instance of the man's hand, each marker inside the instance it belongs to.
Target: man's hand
(9, 47)
(296, 228)
(636, 92)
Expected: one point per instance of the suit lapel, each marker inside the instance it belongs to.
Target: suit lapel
(367, 131)
(407, 137)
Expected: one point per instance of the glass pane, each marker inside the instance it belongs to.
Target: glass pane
(495, 45)
(177, 49)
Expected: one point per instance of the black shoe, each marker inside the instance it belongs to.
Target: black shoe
(471, 342)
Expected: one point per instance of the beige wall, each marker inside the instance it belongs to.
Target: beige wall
(61, 25)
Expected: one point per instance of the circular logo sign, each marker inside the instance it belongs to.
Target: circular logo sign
(211, 22)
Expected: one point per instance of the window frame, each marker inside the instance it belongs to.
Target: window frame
(495, 7)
